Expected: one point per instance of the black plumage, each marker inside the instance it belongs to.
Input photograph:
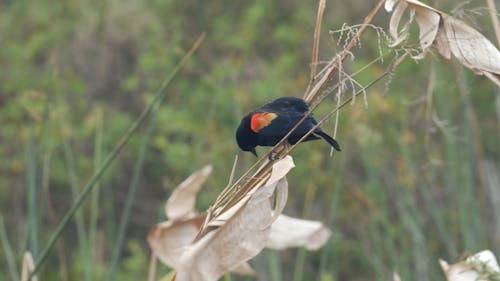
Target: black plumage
(267, 125)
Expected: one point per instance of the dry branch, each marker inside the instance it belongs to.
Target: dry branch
(331, 69)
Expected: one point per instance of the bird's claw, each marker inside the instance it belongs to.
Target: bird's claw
(273, 155)
(275, 152)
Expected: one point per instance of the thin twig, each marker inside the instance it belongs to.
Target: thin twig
(311, 96)
(317, 34)
(494, 19)
(152, 267)
(389, 70)
(331, 113)
(231, 177)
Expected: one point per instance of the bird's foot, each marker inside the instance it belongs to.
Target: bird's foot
(276, 152)
(273, 155)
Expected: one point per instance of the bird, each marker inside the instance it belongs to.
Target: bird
(268, 124)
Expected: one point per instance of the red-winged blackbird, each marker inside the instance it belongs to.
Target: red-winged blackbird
(267, 125)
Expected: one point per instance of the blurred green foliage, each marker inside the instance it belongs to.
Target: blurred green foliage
(412, 184)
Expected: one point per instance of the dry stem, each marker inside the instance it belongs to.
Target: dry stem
(317, 33)
(494, 18)
(328, 76)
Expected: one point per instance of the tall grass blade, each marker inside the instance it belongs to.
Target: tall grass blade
(324, 263)
(32, 208)
(274, 266)
(7, 250)
(134, 184)
(298, 273)
(80, 226)
(94, 199)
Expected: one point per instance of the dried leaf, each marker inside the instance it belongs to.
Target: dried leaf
(289, 232)
(493, 77)
(234, 236)
(280, 169)
(470, 47)
(448, 35)
(428, 23)
(441, 43)
(242, 236)
(458, 272)
(238, 240)
(481, 266)
(168, 239)
(416, 3)
(485, 258)
(399, 36)
(181, 203)
(244, 269)
(389, 4)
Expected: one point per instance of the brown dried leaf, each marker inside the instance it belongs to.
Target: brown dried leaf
(168, 239)
(389, 5)
(238, 240)
(441, 43)
(181, 203)
(279, 170)
(242, 235)
(470, 47)
(458, 272)
(237, 234)
(428, 23)
(244, 269)
(399, 36)
(448, 35)
(289, 232)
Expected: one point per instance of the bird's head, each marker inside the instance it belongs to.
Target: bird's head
(245, 137)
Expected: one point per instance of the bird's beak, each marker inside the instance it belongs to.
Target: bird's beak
(254, 152)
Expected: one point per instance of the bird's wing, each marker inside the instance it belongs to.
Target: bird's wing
(284, 122)
(287, 104)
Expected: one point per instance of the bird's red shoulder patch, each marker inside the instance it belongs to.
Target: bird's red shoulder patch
(261, 120)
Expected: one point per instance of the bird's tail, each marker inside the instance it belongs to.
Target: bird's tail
(329, 139)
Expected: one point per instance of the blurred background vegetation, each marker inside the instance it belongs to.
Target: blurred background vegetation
(417, 179)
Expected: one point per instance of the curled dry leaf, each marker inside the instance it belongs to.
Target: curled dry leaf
(244, 269)
(181, 203)
(481, 266)
(289, 232)
(234, 236)
(168, 239)
(448, 35)
(242, 235)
